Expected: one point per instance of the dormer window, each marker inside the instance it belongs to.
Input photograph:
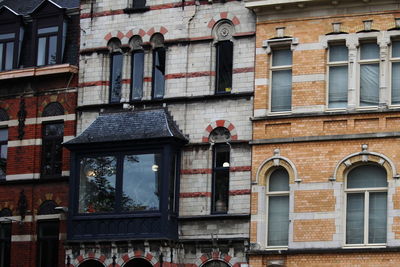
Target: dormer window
(47, 46)
(6, 51)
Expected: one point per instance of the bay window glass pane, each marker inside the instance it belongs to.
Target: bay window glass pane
(355, 218)
(116, 78)
(9, 56)
(141, 178)
(396, 49)
(338, 53)
(52, 53)
(369, 84)
(366, 177)
(396, 83)
(338, 86)
(278, 220)
(137, 75)
(279, 180)
(282, 57)
(377, 217)
(369, 51)
(158, 73)
(281, 93)
(97, 184)
(41, 53)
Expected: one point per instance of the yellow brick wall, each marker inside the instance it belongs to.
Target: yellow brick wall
(314, 201)
(313, 230)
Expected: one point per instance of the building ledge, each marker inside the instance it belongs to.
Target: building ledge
(323, 251)
(38, 71)
(214, 217)
(265, 3)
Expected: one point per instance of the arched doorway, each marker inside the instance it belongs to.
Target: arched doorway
(138, 262)
(91, 263)
(215, 263)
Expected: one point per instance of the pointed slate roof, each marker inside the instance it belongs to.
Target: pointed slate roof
(25, 7)
(128, 126)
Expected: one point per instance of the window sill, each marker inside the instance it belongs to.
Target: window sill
(364, 246)
(38, 71)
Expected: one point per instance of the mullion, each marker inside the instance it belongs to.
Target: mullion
(118, 182)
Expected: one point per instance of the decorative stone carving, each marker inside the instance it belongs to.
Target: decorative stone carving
(224, 31)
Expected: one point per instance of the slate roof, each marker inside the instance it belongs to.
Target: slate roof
(127, 126)
(24, 7)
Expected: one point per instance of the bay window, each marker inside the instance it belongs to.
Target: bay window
(281, 80)
(369, 74)
(366, 206)
(338, 76)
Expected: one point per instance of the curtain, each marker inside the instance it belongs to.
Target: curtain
(137, 75)
(278, 220)
(366, 177)
(377, 217)
(338, 86)
(338, 53)
(282, 57)
(355, 218)
(396, 83)
(369, 84)
(281, 93)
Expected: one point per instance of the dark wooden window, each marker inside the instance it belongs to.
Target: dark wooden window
(47, 243)
(224, 67)
(116, 77)
(53, 134)
(5, 244)
(137, 4)
(47, 45)
(221, 163)
(3, 152)
(137, 75)
(158, 81)
(7, 46)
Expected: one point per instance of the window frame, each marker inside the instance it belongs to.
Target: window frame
(361, 62)
(4, 143)
(111, 77)
(330, 64)
(219, 69)
(133, 72)
(5, 243)
(273, 69)
(12, 23)
(156, 50)
(365, 192)
(268, 195)
(52, 140)
(393, 60)
(40, 239)
(215, 171)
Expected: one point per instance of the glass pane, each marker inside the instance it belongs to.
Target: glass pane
(3, 151)
(338, 86)
(377, 217)
(355, 219)
(396, 83)
(54, 129)
(366, 177)
(5, 36)
(279, 180)
(158, 73)
(116, 78)
(3, 135)
(137, 74)
(97, 184)
(224, 66)
(48, 30)
(1, 55)
(9, 56)
(369, 51)
(278, 220)
(221, 191)
(172, 181)
(41, 53)
(369, 85)
(48, 229)
(141, 180)
(5, 244)
(396, 49)
(52, 53)
(281, 91)
(222, 156)
(281, 57)
(338, 53)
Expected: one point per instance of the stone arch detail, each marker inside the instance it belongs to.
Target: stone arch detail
(114, 34)
(223, 15)
(363, 157)
(89, 256)
(135, 255)
(219, 123)
(216, 255)
(272, 164)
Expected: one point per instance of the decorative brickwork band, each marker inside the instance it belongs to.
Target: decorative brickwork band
(223, 15)
(219, 123)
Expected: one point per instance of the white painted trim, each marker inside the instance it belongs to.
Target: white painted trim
(26, 176)
(33, 142)
(23, 238)
(39, 120)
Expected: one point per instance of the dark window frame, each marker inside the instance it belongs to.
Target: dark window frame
(5, 245)
(215, 172)
(53, 240)
(3, 143)
(112, 74)
(11, 26)
(158, 51)
(52, 140)
(224, 67)
(135, 72)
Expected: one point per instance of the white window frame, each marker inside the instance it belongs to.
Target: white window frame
(336, 64)
(279, 46)
(366, 192)
(275, 194)
(358, 76)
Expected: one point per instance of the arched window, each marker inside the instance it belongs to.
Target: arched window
(53, 109)
(91, 263)
(114, 45)
(366, 205)
(278, 208)
(138, 263)
(137, 67)
(215, 263)
(47, 207)
(158, 80)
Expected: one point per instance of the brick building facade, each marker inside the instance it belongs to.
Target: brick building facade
(325, 134)
(38, 80)
(165, 96)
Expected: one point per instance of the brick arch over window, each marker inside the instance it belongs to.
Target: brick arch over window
(219, 123)
(91, 263)
(3, 115)
(53, 109)
(223, 16)
(90, 256)
(115, 34)
(206, 259)
(363, 157)
(47, 207)
(137, 254)
(274, 162)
